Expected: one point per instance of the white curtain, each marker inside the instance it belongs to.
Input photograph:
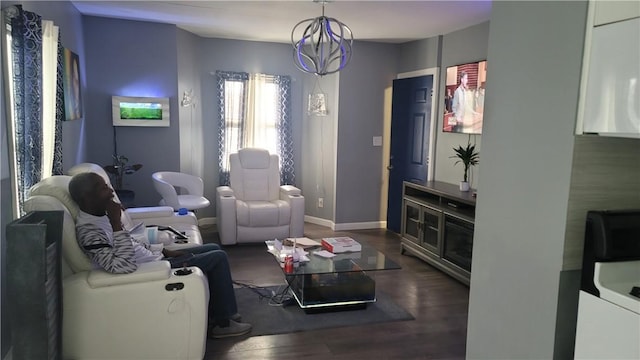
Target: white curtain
(49, 76)
(262, 108)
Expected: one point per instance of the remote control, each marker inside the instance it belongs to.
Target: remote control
(179, 235)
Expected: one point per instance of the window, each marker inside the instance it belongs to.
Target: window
(32, 60)
(254, 112)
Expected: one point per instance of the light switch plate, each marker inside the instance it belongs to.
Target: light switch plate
(377, 141)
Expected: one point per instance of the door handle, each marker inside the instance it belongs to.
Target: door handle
(390, 167)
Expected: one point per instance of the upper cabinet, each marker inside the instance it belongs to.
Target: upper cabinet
(606, 12)
(610, 87)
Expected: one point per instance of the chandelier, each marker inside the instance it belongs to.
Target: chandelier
(323, 47)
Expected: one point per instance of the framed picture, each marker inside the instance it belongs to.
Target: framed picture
(72, 85)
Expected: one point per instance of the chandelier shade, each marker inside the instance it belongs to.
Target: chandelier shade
(321, 45)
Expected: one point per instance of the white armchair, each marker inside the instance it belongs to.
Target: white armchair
(166, 182)
(151, 215)
(255, 207)
(152, 313)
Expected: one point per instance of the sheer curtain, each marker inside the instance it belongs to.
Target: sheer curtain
(49, 77)
(34, 98)
(254, 111)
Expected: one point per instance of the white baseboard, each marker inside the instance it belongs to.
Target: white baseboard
(319, 221)
(208, 221)
(361, 225)
(345, 226)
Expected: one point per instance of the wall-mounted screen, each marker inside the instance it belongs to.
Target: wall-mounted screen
(140, 111)
(464, 98)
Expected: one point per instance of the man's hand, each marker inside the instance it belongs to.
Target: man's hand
(173, 253)
(114, 212)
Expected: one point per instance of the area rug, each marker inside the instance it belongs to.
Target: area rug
(269, 320)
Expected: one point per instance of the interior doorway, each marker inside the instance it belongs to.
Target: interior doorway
(412, 136)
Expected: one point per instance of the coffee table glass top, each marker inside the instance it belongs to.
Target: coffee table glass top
(369, 259)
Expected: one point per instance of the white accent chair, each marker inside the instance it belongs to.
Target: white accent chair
(255, 207)
(166, 182)
(151, 215)
(152, 313)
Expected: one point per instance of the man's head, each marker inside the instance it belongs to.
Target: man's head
(464, 78)
(90, 192)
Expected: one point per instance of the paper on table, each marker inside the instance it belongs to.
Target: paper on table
(302, 242)
(324, 253)
(280, 252)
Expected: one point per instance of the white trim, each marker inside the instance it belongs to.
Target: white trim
(319, 221)
(345, 226)
(208, 221)
(361, 226)
(434, 108)
(585, 67)
(336, 123)
(322, 222)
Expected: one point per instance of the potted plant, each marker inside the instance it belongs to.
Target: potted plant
(117, 171)
(468, 156)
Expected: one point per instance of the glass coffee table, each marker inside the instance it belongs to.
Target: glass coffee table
(344, 281)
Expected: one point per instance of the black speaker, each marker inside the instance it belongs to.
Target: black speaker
(34, 285)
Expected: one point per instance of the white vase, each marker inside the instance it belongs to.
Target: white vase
(464, 186)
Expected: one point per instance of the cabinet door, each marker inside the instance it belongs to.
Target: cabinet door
(458, 242)
(611, 11)
(431, 225)
(411, 222)
(612, 101)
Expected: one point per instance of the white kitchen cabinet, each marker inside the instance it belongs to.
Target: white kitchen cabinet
(610, 89)
(606, 12)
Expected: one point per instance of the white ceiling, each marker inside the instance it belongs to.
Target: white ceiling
(272, 21)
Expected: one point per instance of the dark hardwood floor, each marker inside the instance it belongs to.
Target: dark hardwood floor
(438, 302)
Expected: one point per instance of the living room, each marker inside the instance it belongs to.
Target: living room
(528, 217)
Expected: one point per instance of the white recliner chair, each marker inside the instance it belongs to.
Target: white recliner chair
(151, 215)
(166, 182)
(255, 207)
(152, 313)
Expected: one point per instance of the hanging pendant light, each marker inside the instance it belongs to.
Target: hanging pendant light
(321, 45)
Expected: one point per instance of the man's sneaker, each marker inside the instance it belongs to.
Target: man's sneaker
(236, 317)
(234, 329)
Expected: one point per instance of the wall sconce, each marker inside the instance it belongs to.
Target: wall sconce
(188, 100)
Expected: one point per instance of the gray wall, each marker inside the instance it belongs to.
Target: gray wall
(532, 94)
(190, 119)
(419, 54)
(131, 58)
(359, 176)
(319, 147)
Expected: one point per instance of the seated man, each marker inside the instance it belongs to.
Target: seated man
(101, 236)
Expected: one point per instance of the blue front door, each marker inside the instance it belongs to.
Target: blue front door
(410, 131)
